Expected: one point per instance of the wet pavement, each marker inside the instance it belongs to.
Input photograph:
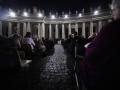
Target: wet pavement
(54, 72)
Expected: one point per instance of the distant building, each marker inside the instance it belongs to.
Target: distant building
(55, 27)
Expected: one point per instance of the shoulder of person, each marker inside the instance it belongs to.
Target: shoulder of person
(110, 27)
(113, 24)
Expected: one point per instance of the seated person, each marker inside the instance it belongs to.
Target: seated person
(28, 45)
(28, 40)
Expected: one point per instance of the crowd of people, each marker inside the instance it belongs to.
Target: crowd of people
(26, 48)
(76, 44)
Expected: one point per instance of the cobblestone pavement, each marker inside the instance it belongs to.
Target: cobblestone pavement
(54, 72)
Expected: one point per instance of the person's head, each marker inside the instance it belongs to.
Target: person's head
(28, 34)
(115, 6)
(16, 36)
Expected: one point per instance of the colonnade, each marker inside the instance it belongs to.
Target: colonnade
(41, 28)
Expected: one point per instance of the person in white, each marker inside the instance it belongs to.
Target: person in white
(28, 40)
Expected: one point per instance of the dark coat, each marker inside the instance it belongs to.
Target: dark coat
(100, 68)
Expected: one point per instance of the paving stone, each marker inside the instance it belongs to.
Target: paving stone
(55, 72)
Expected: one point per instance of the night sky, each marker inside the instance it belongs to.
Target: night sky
(55, 5)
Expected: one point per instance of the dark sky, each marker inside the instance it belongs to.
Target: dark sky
(55, 5)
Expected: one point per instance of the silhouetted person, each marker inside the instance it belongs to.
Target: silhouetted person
(100, 68)
(28, 45)
(15, 40)
(80, 42)
(28, 40)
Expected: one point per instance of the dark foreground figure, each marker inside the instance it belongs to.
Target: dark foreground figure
(100, 67)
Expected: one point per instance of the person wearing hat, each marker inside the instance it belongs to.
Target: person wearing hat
(100, 67)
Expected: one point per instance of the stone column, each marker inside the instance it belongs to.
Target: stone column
(43, 30)
(91, 28)
(39, 31)
(63, 31)
(18, 28)
(28, 27)
(9, 29)
(1, 28)
(99, 25)
(76, 27)
(56, 31)
(69, 28)
(24, 29)
(83, 30)
(50, 31)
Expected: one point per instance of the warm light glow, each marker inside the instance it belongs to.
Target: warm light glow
(12, 14)
(25, 14)
(96, 12)
(52, 16)
(66, 16)
(40, 15)
(80, 15)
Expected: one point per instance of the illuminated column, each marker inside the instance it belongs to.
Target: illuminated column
(28, 27)
(18, 28)
(83, 29)
(50, 31)
(39, 31)
(91, 28)
(99, 25)
(76, 27)
(69, 28)
(9, 29)
(56, 31)
(63, 31)
(0, 27)
(43, 30)
(24, 29)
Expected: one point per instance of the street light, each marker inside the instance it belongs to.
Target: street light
(52, 16)
(96, 12)
(80, 15)
(25, 14)
(66, 16)
(40, 15)
(12, 14)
